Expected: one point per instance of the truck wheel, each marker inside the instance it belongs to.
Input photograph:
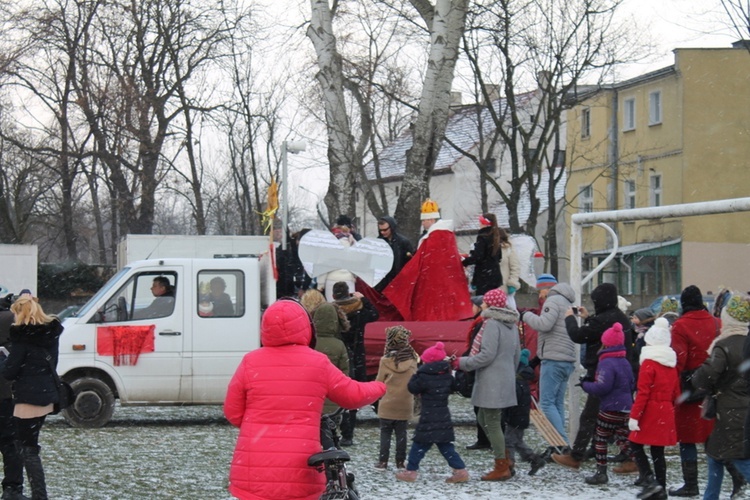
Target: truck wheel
(93, 406)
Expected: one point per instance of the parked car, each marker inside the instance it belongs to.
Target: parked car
(68, 312)
(655, 306)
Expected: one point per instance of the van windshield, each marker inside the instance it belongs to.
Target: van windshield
(102, 291)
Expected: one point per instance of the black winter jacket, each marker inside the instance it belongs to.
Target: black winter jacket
(487, 274)
(402, 252)
(28, 366)
(434, 383)
(590, 332)
(518, 416)
(359, 312)
(6, 319)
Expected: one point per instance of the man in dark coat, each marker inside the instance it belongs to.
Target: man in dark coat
(359, 311)
(12, 461)
(292, 276)
(606, 314)
(401, 246)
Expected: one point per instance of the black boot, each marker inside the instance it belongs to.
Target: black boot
(652, 490)
(13, 493)
(600, 477)
(537, 462)
(690, 475)
(33, 463)
(644, 479)
(738, 481)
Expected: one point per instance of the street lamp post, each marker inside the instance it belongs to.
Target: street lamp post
(293, 147)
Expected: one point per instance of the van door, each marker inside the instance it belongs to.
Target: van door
(225, 323)
(140, 334)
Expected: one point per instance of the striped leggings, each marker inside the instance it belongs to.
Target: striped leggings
(608, 424)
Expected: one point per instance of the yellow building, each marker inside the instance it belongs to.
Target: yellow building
(677, 135)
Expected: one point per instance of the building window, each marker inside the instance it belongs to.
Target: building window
(655, 191)
(586, 123)
(629, 194)
(490, 165)
(654, 108)
(356, 196)
(587, 199)
(559, 160)
(397, 191)
(628, 114)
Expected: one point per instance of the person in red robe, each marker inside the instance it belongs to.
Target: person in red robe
(432, 286)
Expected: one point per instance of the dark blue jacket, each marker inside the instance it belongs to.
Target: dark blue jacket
(434, 382)
(27, 365)
(614, 382)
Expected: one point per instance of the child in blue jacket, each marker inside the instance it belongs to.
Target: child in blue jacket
(434, 382)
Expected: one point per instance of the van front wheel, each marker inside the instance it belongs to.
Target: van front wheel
(93, 406)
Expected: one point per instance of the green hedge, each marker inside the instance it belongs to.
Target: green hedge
(70, 280)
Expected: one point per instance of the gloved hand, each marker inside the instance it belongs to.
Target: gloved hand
(535, 361)
(454, 363)
(584, 378)
(511, 290)
(633, 425)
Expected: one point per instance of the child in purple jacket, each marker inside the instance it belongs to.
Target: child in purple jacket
(613, 385)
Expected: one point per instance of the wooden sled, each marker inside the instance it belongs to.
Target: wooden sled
(545, 428)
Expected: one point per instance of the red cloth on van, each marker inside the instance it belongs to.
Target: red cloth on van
(124, 343)
(276, 398)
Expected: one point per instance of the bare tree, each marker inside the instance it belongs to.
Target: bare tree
(444, 22)
(539, 53)
(738, 14)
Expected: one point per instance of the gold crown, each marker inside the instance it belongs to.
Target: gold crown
(430, 210)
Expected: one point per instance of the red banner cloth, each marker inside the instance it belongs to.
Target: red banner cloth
(124, 343)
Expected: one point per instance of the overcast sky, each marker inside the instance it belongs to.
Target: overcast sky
(678, 24)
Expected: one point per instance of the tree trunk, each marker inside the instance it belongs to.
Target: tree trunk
(340, 196)
(447, 26)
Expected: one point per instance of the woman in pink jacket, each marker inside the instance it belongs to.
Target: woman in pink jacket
(276, 398)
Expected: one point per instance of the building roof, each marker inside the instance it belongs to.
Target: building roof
(463, 129)
(524, 206)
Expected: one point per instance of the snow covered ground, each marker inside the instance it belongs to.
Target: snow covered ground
(184, 453)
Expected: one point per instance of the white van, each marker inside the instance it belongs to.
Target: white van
(181, 347)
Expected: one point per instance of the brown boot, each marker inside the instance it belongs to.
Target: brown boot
(501, 472)
(627, 467)
(566, 461)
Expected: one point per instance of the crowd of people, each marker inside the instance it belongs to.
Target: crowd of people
(652, 378)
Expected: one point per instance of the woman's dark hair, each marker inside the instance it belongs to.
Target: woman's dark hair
(494, 233)
(504, 237)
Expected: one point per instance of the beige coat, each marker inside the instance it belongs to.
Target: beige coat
(398, 402)
(510, 267)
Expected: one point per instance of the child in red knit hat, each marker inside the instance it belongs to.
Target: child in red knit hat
(613, 385)
(434, 382)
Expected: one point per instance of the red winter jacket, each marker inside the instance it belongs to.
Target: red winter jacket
(276, 397)
(658, 388)
(692, 334)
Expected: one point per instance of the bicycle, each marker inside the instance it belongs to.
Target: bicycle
(332, 461)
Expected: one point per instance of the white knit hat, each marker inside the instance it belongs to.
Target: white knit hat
(623, 304)
(659, 334)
